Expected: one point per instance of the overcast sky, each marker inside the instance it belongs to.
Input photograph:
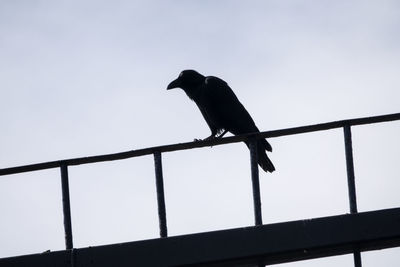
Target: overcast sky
(81, 78)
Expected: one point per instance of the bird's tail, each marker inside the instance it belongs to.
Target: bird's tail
(264, 162)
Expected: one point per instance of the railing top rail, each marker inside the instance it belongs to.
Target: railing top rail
(197, 144)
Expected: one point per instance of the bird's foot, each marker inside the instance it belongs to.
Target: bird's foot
(222, 134)
(211, 137)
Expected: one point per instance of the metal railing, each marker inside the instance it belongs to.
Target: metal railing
(157, 152)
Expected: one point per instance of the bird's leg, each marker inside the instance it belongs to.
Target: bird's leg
(212, 136)
(221, 135)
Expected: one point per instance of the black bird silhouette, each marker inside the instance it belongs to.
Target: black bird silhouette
(221, 109)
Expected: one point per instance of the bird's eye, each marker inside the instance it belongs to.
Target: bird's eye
(181, 74)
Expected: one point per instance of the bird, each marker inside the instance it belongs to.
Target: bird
(221, 109)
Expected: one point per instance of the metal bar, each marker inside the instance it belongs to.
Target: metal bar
(357, 258)
(73, 257)
(255, 182)
(351, 183)
(66, 206)
(162, 217)
(245, 246)
(350, 169)
(197, 144)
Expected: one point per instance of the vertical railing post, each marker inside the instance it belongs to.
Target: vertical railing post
(255, 181)
(66, 206)
(162, 217)
(351, 182)
(350, 169)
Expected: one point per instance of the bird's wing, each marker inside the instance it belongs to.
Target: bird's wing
(226, 107)
(225, 110)
(214, 129)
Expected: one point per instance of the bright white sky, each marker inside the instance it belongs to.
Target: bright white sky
(81, 78)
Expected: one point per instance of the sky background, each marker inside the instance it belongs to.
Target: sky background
(82, 78)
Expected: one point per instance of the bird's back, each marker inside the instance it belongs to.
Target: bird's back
(224, 108)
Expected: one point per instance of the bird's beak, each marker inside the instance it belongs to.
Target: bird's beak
(174, 84)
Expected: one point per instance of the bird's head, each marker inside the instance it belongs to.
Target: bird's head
(187, 79)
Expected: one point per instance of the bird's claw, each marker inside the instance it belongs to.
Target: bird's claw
(211, 137)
